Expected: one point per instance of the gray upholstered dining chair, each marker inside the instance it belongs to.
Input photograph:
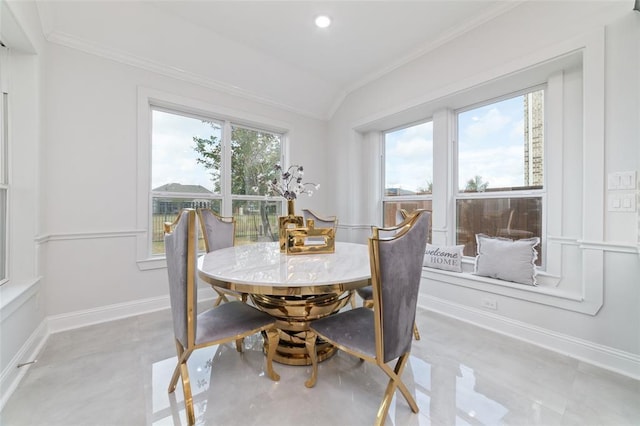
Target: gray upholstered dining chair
(384, 333)
(366, 293)
(218, 233)
(228, 322)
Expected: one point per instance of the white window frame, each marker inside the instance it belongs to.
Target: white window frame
(149, 99)
(583, 289)
(399, 198)
(489, 194)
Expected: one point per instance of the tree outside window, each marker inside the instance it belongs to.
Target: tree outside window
(196, 164)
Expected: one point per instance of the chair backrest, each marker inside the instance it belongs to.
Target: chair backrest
(401, 215)
(181, 247)
(218, 232)
(390, 231)
(396, 265)
(320, 221)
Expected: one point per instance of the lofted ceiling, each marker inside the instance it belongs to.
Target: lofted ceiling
(264, 50)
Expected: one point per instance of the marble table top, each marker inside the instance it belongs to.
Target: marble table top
(261, 268)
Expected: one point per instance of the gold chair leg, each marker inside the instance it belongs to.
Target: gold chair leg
(353, 299)
(239, 344)
(221, 298)
(310, 343)
(182, 372)
(403, 388)
(186, 389)
(395, 382)
(416, 333)
(176, 371)
(272, 342)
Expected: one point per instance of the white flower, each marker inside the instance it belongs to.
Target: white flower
(290, 185)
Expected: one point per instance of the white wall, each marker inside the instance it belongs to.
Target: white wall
(90, 144)
(608, 335)
(21, 306)
(73, 213)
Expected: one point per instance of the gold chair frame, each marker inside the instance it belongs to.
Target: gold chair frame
(222, 292)
(395, 380)
(184, 352)
(368, 303)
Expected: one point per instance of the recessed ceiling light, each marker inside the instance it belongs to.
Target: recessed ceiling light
(323, 21)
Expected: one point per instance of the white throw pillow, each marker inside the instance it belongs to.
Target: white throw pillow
(507, 259)
(448, 258)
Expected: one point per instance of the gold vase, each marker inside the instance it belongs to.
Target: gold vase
(289, 221)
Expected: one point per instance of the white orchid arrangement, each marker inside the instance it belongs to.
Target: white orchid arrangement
(289, 184)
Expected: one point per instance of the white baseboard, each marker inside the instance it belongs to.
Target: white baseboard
(72, 320)
(606, 357)
(11, 376)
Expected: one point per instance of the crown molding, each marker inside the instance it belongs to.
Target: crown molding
(73, 42)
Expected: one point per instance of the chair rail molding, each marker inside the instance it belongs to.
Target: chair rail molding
(90, 235)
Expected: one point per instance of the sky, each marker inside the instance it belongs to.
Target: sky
(490, 141)
(409, 157)
(172, 153)
(490, 145)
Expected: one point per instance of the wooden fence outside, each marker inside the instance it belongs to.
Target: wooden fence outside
(249, 229)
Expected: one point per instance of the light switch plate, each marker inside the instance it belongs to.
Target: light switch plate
(622, 181)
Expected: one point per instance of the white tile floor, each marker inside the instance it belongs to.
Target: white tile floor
(117, 374)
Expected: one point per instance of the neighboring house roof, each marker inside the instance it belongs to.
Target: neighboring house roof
(178, 187)
(398, 191)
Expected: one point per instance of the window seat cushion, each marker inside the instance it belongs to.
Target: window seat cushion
(506, 259)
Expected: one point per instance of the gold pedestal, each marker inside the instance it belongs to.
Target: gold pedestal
(294, 314)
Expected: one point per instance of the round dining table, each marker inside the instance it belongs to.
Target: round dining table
(293, 288)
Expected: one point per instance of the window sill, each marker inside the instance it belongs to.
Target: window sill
(152, 263)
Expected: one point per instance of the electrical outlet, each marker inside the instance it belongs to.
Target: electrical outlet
(622, 202)
(490, 303)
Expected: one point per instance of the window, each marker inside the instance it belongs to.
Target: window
(408, 170)
(500, 164)
(204, 162)
(544, 177)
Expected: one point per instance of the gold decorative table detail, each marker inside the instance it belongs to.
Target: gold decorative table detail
(310, 239)
(294, 313)
(285, 223)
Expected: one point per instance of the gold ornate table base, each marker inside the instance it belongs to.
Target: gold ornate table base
(294, 313)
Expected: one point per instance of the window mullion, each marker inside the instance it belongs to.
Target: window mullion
(227, 207)
(442, 222)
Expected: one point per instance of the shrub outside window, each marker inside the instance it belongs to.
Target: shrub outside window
(202, 162)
